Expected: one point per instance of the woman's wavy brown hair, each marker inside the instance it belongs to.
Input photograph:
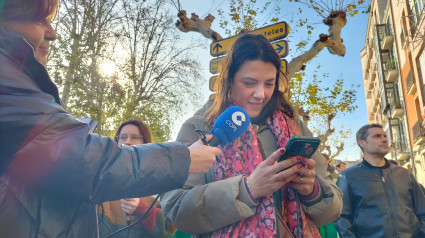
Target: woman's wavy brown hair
(249, 47)
(28, 10)
(143, 129)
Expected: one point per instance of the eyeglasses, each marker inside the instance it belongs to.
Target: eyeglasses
(124, 137)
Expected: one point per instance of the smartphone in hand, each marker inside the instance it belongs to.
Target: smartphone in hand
(304, 146)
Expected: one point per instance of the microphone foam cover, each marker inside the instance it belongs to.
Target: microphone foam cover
(231, 124)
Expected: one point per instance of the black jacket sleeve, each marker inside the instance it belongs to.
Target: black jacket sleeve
(43, 146)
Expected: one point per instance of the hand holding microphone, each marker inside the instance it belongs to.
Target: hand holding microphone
(229, 126)
(202, 156)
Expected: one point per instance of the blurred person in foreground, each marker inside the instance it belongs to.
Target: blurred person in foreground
(248, 193)
(52, 169)
(115, 215)
(380, 199)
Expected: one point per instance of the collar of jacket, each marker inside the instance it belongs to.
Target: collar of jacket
(387, 164)
(18, 48)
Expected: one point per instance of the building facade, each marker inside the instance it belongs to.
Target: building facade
(393, 64)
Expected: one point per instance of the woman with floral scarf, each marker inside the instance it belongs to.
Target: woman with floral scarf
(248, 193)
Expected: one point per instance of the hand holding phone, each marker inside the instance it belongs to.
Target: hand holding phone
(304, 146)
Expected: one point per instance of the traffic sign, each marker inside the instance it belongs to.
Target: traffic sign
(284, 66)
(212, 82)
(272, 32)
(281, 48)
(214, 64)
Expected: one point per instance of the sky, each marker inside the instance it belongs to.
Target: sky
(347, 67)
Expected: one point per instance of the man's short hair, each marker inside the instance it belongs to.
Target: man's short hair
(362, 133)
(339, 164)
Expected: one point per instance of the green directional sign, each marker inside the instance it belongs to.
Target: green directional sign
(272, 32)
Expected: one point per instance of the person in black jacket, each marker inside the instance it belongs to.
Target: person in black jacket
(52, 169)
(380, 199)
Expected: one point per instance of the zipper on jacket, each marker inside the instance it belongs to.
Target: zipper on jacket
(388, 201)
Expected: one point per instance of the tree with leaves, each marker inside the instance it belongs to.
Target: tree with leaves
(323, 105)
(83, 38)
(154, 70)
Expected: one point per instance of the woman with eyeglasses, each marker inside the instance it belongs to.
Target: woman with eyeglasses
(53, 170)
(115, 215)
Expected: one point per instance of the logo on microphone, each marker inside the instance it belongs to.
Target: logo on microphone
(238, 118)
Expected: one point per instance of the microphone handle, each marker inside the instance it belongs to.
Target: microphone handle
(215, 141)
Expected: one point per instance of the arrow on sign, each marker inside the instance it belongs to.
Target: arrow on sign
(217, 46)
(279, 48)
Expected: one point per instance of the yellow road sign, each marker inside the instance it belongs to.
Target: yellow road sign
(214, 64)
(212, 82)
(284, 66)
(272, 32)
(281, 48)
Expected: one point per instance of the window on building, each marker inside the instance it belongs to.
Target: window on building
(421, 68)
(419, 6)
(418, 109)
(399, 140)
(392, 93)
(416, 8)
(403, 29)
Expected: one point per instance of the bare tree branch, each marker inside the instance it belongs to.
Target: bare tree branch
(185, 24)
(336, 21)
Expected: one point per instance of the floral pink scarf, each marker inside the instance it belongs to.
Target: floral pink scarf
(242, 157)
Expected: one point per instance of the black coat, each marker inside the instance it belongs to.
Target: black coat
(380, 202)
(52, 170)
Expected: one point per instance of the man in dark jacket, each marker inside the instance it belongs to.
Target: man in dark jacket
(52, 169)
(380, 199)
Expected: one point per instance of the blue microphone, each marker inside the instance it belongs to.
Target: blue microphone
(229, 126)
